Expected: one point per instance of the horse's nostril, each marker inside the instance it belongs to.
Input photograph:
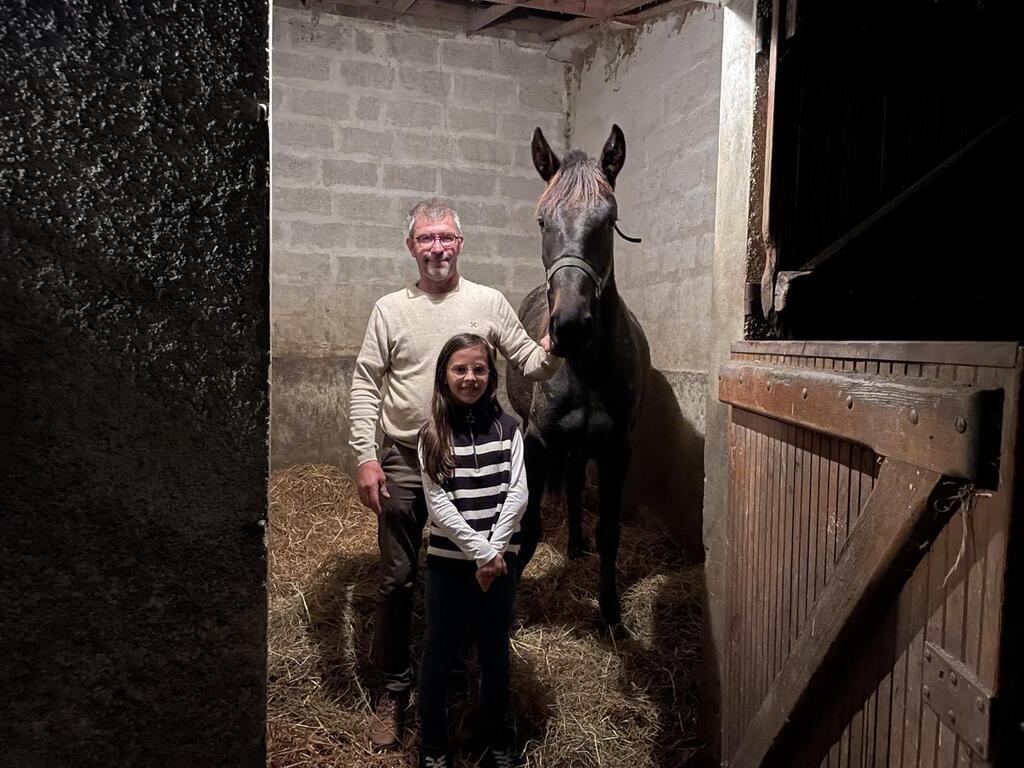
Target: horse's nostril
(571, 331)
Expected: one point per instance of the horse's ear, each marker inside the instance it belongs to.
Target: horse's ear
(613, 156)
(544, 159)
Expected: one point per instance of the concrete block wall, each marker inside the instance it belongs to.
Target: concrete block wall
(369, 117)
(661, 84)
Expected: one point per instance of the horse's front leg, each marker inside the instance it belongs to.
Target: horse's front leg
(535, 457)
(612, 465)
(575, 477)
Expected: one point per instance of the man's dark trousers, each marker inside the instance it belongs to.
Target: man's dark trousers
(399, 535)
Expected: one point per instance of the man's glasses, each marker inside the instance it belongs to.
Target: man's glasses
(447, 240)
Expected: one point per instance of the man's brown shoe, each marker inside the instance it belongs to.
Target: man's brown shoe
(388, 721)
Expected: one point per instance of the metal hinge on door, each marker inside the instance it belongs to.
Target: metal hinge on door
(958, 698)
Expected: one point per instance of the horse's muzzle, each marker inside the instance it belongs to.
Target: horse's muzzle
(570, 334)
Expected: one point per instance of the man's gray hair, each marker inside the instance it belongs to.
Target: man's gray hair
(431, 210)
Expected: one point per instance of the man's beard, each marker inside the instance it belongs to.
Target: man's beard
(439, 270)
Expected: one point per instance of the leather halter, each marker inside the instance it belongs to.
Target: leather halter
(576, 261)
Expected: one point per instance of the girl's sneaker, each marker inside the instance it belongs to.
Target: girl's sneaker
(436, 760)
(501, 757)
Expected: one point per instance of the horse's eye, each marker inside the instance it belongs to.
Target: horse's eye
(541, 223)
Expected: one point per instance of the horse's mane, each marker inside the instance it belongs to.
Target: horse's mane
(578, 183)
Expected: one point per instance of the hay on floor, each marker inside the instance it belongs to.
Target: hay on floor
(580, 698)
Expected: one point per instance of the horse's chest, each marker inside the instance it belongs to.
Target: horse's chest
(584, 414)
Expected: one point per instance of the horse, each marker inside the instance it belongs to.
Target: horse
(589, 407)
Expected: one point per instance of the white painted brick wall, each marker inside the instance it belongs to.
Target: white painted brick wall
(368, 117)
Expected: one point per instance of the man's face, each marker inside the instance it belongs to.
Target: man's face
(437, 256)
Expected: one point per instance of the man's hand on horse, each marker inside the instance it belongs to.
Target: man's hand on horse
(545, 343)
(372, 484)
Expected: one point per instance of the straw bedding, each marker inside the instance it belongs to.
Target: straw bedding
(580, 698)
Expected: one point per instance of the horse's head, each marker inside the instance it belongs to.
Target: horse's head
(577, 213)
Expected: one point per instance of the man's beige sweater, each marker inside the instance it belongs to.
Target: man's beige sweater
(394, 372)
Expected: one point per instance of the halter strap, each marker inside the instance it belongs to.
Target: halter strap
(627, 238)
(575, 261)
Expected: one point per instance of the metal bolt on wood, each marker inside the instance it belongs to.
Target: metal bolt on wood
(849, 401)
(981, 704)
(803, 393)
(960, 424)
(926, 691)
(914, 418)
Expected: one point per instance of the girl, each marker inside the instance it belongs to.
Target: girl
(471, 455)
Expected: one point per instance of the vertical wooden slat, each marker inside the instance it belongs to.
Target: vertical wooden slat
(744, 567)
(973, 577)
(753, 442)
(835, 471)
(775, 586)
(789, 528)
(824, 513)
(760, 640)
(814, 522)
(803, 547)
(933, 632)
(912, 712)
(750, 538)
(876, 660)
(856, 725)
(739, 721)
(842, 498)
(898, 699)
(729, 687)
(834, 495)
(771, 625)
(952, 630)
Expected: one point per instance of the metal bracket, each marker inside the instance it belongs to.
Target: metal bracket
(958, 698)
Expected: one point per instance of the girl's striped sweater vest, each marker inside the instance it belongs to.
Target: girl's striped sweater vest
(483, 453)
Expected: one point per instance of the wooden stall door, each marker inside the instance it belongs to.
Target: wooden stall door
(871, 489)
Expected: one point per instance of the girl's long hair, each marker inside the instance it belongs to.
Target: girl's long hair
(436, 435)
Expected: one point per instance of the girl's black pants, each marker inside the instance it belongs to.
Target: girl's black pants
(455, 606)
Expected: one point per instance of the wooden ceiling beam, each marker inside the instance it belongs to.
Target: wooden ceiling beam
(459, 13)
(660, 10)
(566, 28)
(487, 16)
(609, 10)
(568, 7)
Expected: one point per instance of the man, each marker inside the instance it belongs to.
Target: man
(391, 386)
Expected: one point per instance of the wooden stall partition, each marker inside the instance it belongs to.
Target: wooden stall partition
(872, 486)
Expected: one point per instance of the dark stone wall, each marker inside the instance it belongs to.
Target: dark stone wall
(134, 343)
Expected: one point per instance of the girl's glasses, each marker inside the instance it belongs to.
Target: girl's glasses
(461, 371)
(447, 240)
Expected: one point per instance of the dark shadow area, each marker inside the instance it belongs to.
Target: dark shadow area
(665, 486)
(676, 624)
